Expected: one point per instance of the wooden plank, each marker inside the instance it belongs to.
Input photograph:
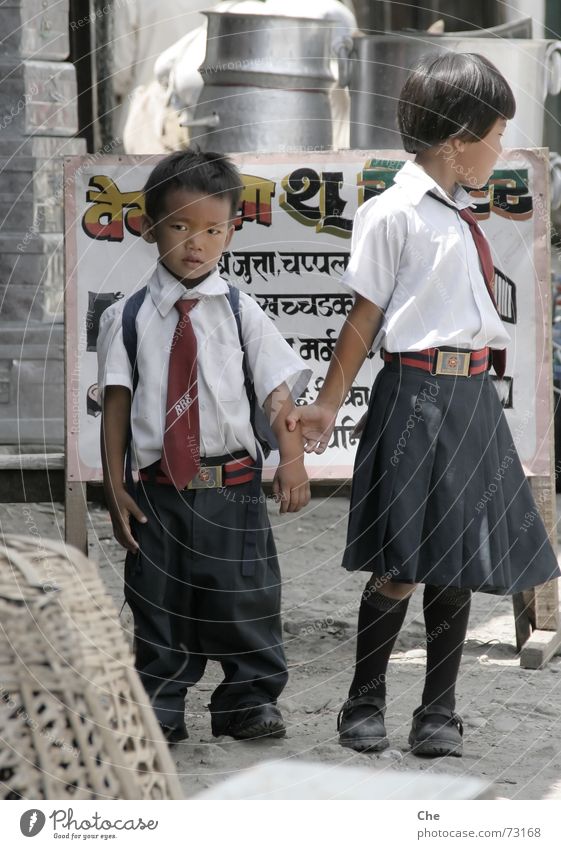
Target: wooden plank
(540, 648)
(542, 603)
(524, 616)
(75, 515)
(546, 596)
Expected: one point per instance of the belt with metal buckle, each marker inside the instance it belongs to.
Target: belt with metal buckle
(438, 361)
(209, 476)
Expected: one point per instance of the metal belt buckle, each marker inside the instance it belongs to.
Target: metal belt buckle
(208, 477)
(453, 362)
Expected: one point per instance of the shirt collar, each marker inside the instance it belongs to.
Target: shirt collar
(165, 289)
(415, 181)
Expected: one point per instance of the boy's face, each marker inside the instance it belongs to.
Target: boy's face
(192, 233)
(475, 162)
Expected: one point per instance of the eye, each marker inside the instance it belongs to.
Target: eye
(179, 227)
(214, 231)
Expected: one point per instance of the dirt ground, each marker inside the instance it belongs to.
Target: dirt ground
(511, 715)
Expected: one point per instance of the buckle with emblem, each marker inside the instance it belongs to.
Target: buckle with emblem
(453, 362)
(208, 477)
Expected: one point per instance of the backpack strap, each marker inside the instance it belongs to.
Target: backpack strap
(130, 341)
(261, 427)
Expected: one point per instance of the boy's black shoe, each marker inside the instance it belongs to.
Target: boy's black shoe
(252, 722)
(174, 733)
(436, 731)
(361, 724)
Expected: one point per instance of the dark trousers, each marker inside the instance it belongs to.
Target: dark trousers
(193, 599)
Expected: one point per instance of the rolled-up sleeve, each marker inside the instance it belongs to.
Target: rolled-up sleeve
(377, 243)
(271, 359)
(113, 364)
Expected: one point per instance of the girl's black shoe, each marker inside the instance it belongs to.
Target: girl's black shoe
(436, 731)
(361, 724)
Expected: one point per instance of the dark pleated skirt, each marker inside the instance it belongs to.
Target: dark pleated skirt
(439, 495)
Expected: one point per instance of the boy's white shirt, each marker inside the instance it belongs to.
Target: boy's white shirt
(223, 406)
(416, 259)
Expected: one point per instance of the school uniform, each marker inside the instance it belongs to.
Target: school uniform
(193, 594)
(439, 495)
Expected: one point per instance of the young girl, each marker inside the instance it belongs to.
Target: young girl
(423, 507)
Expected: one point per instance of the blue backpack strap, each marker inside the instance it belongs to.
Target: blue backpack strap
(260, 424)
(130, 341)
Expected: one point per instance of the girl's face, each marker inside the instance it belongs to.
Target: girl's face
(474, 161)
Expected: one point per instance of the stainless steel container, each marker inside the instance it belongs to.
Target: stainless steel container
(272, 50)
(378, 66)
(267, 81)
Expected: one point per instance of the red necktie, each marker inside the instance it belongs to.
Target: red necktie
(181, 449)
(488, 269)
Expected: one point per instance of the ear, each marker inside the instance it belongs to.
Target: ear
(458, 144)
(231, 230)
(147, 229)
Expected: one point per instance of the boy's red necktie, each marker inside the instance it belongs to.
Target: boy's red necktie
(488, 268)
(181, 449)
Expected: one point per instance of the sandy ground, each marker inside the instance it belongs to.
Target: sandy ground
(512, 716)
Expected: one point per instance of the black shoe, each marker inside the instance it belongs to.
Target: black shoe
(436, 731)
(174, 733)
(361, 724)
(253, 722)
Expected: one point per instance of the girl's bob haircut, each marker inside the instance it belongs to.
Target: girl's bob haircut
(455, 95)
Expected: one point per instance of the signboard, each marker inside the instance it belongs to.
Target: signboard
(291, 247)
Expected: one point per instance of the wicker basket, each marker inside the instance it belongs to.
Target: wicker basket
(75, 722)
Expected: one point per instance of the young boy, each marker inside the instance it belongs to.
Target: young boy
(201, 573)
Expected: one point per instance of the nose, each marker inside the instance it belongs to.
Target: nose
(195, 239)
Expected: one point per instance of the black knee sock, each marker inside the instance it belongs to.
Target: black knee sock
(379, 621)
(446, 611)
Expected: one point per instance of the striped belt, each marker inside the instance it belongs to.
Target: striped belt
(438, 361)
(210, 476)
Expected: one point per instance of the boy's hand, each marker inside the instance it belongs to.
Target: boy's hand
(291, 486)
(121, 508)
(317, 422)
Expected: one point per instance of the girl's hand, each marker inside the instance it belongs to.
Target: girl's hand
(317, 422)
(291, 486)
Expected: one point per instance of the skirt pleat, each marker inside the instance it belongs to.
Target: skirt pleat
(439, 495)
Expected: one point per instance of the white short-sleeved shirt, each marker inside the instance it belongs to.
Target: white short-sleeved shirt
(223, 405)
(416, 259)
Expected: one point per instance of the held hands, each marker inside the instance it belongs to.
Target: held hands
(317, 422)
(291, 486)
(121, 508)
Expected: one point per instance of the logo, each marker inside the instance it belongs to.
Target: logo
(32, 822)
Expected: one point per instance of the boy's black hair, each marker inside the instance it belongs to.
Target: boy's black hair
(195, 171)
(455, 94)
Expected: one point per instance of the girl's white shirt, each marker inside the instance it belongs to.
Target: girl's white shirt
(416, 259)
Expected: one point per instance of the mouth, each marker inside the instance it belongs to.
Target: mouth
(192, 260)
